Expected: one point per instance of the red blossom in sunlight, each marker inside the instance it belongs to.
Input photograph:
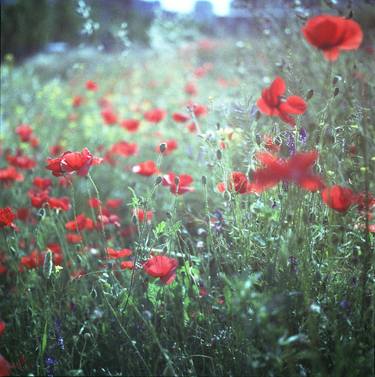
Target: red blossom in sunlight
(332, 34)
(155, 115)
(146, 168)
(5, 367)
(180, 117)
(62, 203)
(94, 202)
(123, 148)
(130, 125)
(297, 169)
(143, 215)
(91, 85)
(192, 128)
(198, 109)
(109, 117)
(178, 184)
(116, 254)
(24, 131)
(272, 103)
(80, 223)
(70, 162)
(338, 198)
(6, 217)
(56, 150)
(171, 145)
(10, 175)
(163, 267)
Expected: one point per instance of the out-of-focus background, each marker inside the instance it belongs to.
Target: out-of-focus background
(53, 26)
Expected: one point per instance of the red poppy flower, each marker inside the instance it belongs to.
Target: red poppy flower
(297, 169)
(24, 131)
(198, 109)
(332, 34)
(77, 101)
(192, 128)
(10, 175)
(270, 145)
(180, 117)
(123, 148)
(130, 125)
(178, 184)
(5, 367)
(127, 265)
(114, 203)
(171, 145)
(94, 202)
(19, 160)
(155, 115)
(272, 104)
(146, 168)
(142, 215)
(56, 150)
(338, 198)
(62, 203)
(6, 217)
(191, 89)
(109, 117)
(81, 222)
(116, 254)
(33, 260)
(70, 162)
(73, 238)
(163, 267)
(2, 327)
(91, 85)
(42, 183)
(238, 182)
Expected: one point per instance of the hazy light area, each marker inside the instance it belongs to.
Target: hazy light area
(221, 7)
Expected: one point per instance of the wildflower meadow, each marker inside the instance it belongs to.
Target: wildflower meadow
(200, 206)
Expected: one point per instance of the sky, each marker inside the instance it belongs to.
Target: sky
(221, 7)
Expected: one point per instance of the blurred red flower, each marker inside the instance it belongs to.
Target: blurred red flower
(272, 104)
(163, 267)
(5, 367)
(109, 117)
(146, 168)
(333, 34)
(10, 175)
(339, 198)
(297, 169)
(171, 145)
(180, 117)
(155, 115)
(115, 254)
(127, 265)
(238, 182)
(2, 327)
(24, 131)
(6, 217)
(130, 125)
(91, 85)
(142, 215)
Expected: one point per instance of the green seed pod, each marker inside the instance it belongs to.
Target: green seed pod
(219, 155)
(336, 92)
(309, 94)
(47, 265)
(257, 115)
(158, 180)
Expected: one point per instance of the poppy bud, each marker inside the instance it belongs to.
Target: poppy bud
(134, 220)
(309, 94)
(169, 215)
(336, 92)
(227, 196)
(163, 147)
(219, 154)
(257, 115)
(258, 140)
(47, 265)
(350, 15)
(218, 126)
(204, 180)
(335, 80)
(158, 180)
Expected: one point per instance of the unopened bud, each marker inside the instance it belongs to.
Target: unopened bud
(335, 80)
(218, 126)
(336, 92)
(309, 94)
(258, 139)
(158, 180)
(257, 115)
(162, 147)
(227, 196)
(134, 220)
(169, 215)
(204, 180)
(219, 155)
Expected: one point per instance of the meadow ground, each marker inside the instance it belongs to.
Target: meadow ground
(201, 232)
